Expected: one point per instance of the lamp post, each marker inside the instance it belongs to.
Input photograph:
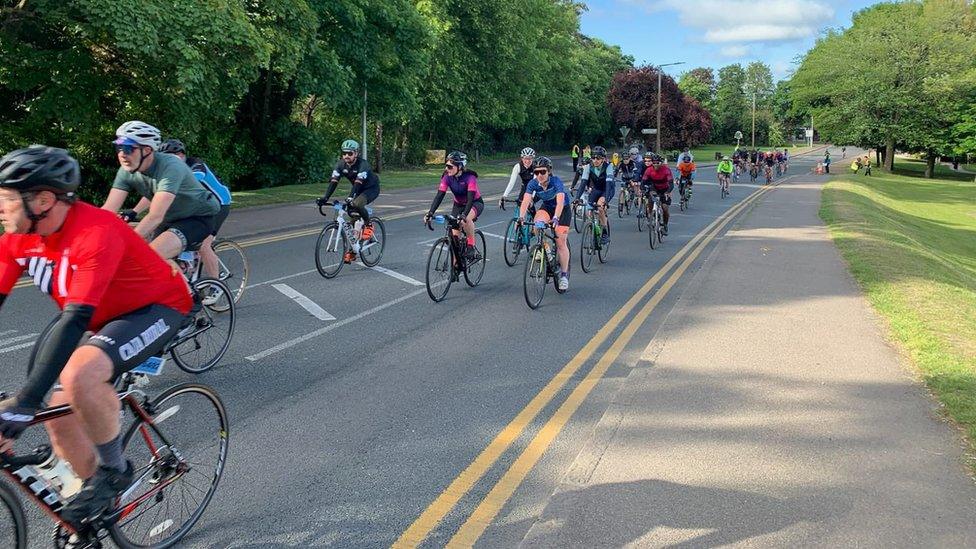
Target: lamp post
(365, 149)
(659, 67)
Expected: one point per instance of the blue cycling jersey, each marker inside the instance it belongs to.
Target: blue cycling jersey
(204, 175)
(547, 195)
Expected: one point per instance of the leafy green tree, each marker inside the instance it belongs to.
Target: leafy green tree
(699, 84)
(728, 112)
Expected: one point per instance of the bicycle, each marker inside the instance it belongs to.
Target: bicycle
(723, 183)
(592, 240)
(640, 204)
(342, 236)
(214, 298)
(516, 237)
(169, 490)
(446, 260)
(625, 200)
(579, 212)
(542, 266)
(228, 253)
(769, 174)
(753, 173)
(684, 188)
(656, 224)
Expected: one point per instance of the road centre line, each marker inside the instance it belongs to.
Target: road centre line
(304, 302)
(430, 241)
(16, 339)
(292, 342)
(16, 347)
(485, 513)
(7, 332)
(280, 278)
(394, 274)
(418, 531)
(493, 235)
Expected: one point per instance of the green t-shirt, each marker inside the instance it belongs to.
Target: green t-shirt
(725, 166)
(170, 174)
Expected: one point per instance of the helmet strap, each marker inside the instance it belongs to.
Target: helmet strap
(142, 160)
(35, 218)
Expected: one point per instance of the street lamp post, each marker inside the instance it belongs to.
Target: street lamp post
(659, 67)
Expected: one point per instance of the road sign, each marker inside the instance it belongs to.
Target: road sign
(649, 131)
(624, 131)
(738, 135)
(809, 133)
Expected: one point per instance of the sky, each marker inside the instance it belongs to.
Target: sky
(715, 33)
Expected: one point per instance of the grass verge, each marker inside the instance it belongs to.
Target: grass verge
(390, 179)
(911, 245)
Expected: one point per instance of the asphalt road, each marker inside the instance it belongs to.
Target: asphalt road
(344, 431)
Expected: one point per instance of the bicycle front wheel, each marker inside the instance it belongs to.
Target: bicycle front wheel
(202, 344)
(476, 270)
(513, 243)
(178, 457)
(13, 523)
(233, 267)
(534, 277)
(603, 252)
(652, 228)
(578, 217)
(440, 270)
(371, 251)
(330, 248)
(588, 247)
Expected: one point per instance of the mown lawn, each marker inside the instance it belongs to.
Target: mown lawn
(911, 244)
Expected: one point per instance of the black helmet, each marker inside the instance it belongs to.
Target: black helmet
(172, 146)
(656, 158)
(598, 152)
(40, 168)
(458, 158)
(543, 162)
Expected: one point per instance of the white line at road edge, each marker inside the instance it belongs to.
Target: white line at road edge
(394, 274)
(477, 226)
(493, 235)
(16, 339)
(306, 303)
(291, 343)
(16, 347)
(280, 278)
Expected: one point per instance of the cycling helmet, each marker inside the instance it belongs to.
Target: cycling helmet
(40, 168)
(598, 152)
(135, 132)
(528, 151)
(648, 155)
(172, 146)
(656, 158)
(350, 145)
(725, 157)
(458, 158)
(543, 162)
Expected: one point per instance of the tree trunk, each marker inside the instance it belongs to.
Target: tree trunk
(889, 157)
(930, 164)
(378, 165)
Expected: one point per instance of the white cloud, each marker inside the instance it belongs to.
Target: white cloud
(734, 51)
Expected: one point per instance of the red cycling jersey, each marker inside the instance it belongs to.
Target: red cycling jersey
(661, 177)
(93, 259)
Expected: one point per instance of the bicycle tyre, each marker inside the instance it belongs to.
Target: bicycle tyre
(204, 322)
(652, 228)
(444, 262)
(228, 253)
(160, 467)
(513, 243)
(578, 218)
(535, 277)
(587, 247)
(326, 265)
(369, 255)
(479, 267)
(18, 537)
(620, 207)
(603, 252)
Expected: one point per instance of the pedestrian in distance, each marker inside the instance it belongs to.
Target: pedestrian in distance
(826, 162)
(575, 154)
(867, 165)
(586, 152)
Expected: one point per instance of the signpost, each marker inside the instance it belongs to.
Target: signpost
(738, 138)
(649, 131)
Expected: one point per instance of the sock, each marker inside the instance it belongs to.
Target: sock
(471, 241)
(110, 454)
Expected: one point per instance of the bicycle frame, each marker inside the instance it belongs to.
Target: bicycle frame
(345, 228)
(524, 237)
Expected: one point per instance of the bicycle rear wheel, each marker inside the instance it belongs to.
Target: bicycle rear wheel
(208, 337)
(233, 266)
(179, 460)
(329, 250)
(534, 277)
(13, 523)
(513, 243)
(475, 271)
(371, 251)
(588, 246)
(440, 270)
(603, 252)
(578, 217)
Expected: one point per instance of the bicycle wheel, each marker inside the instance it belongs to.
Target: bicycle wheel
(652, 227)
(179, 460)
(621, 205)
(578, 218)
(603, 252)
(641, 215)
(513, 243)
(201, 344)
(233, 266)
(534, 277)
(588, 246)
(329, 250)
(371, 251)
(440, 269)
(13, 523)
(476, 270)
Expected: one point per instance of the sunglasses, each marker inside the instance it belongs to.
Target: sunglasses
(348, 153)
(541, 172)
(125, 149)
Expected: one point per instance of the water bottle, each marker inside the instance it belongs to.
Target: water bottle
(40, 486)
(60, 474)
(359, 225)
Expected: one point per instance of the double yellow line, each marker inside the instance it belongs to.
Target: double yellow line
(491, 505)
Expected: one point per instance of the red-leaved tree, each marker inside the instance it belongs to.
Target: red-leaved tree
(633, 102)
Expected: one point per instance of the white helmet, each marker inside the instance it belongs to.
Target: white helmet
(528, 151)
(135, 132)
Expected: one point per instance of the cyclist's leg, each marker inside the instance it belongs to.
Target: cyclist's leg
(207, 253)
(476, 210)
(562, 233)
(182, 234)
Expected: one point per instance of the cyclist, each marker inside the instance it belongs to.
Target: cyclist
(364, 190)
(104, 278)
(724, 170)
(549, 189)
(598, 178)
(468, 204)
(658, 178)
(686, 170)
(522, 171)
(786, 160)
(629, 174)
(221, 193)
(181, 211)
(770, 161)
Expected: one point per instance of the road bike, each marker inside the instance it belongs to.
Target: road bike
(684, 189)
(655, 216)
(723, 184)
(206, 333)
(232, 266)
(447, 260)
(625, 200)
(177, 444)
(517, 235)
(542, 265)
(769, 174)
(343, 236)
(640, 205)
(592, 239)
(753, 173)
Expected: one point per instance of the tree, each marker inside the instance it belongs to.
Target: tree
(699, 84)
(728, 111)
(633, 103)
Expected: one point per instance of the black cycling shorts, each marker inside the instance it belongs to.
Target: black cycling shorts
(191, 231)
(371, 193)
(134, 337)
(220, 218)
(565, 217)
(478, 206)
